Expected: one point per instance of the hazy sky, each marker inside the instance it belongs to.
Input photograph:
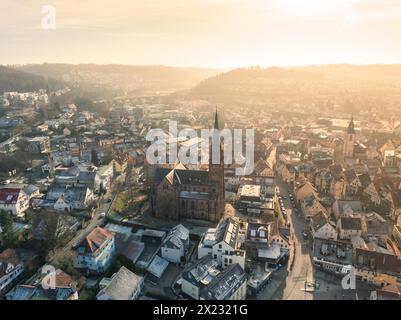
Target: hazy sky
(214, 33)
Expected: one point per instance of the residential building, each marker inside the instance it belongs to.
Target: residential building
(342, 208)
(322, 228)
(64, 288)
(14, 200)
(332, 256)
(176, 244)
(157, 268)
(196, 276)
(95, 252)
(311, 206)
(397, 236)
(349, 227)
(123, 285)
(389, 292)
(377, 267)
(11, 267)
(39, 145)
(68, 198)
(230, 284)
(223, 244)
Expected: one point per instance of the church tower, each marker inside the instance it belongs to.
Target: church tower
(350, 140)
(216, 171)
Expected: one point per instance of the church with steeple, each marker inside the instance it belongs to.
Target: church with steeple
(349, 141)
(182, 193)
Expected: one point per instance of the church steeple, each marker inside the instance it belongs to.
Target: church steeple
(350, 140)
(351, 126)
(218, 123)
(216, 170)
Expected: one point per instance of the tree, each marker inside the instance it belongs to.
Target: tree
(48, 227)
(8, 236)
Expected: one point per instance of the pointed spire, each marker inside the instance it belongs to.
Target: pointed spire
(218, 121)
(351, 126)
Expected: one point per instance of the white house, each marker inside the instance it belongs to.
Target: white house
(322, 228)
(223, 244)
(14, 200)
(176, 244)
(11, 267)
(104, 176)
(68, 198)
(95, 252)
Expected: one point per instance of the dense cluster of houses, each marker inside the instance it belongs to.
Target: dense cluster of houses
(352, 203)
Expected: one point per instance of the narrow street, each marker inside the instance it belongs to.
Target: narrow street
(97, 220)
(293, 287)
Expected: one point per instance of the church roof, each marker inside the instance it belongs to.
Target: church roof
(191, 177)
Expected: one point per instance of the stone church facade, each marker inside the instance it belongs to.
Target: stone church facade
(181, 193)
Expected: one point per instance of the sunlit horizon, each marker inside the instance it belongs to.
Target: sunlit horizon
(223, 34)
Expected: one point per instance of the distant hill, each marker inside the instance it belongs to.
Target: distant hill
(139, 79)
(14, 80)
(302, 83)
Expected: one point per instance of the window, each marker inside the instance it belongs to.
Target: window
(219, 246)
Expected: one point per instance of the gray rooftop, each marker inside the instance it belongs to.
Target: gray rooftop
(158, 266)
(122, 285)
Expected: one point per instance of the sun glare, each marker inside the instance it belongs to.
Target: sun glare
(308, 7)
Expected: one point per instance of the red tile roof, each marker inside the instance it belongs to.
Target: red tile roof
(96, 240)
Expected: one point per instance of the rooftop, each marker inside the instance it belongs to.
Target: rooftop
(134, 250)
(333, 251)
(249, 190)
(225, 283)
(97, 239)
(158, 266)
(122, 285)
